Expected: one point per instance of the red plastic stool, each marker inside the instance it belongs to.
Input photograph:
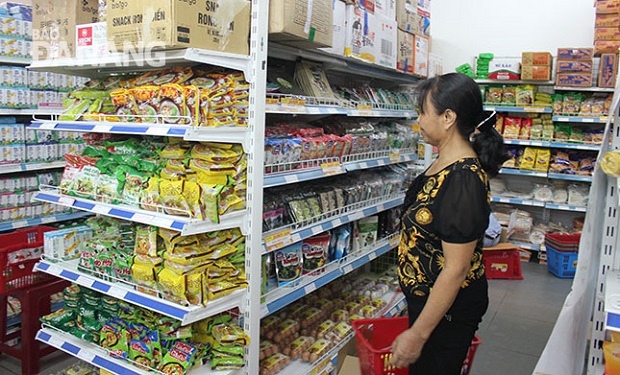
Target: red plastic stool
(35, 303)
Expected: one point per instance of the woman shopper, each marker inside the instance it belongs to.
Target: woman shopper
(446, 214)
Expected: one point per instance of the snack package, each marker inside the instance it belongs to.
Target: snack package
(289, 264)
(315, 252)
(146, 99)
(509, 95)
(125, 105)
(529, 159)
(172, 103)
(611, 353)
(543, 158)
(494, 95)
(512, 127)
(525, 95)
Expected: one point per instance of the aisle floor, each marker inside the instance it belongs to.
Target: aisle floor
(514, 331)
(520, 319)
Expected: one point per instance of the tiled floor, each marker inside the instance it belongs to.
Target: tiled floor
(520, 318)
(514, 331)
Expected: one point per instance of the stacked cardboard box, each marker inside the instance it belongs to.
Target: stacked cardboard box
(607, 27)
(574, 67)
(413, 19)
(536, 66)
(608, 70)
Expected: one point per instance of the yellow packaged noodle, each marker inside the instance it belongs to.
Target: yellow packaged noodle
(173, 284)
(210, 200)
(194, 287)
(191, 193)
(150, 198)
(174, 202)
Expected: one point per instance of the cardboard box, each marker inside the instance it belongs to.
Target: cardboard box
(291, 23)
(339, 31)
(139, 25)
(420, 55)
(411, 18)
(536, 58)
(574, 66)
(606, 46)
(536, 72)
(607, 20)
(606, 33)
(385, 46)
(607, 6)
(580, 54)
(53, 26)
(361, 34)
(91, 40)
(350, 366)
(386, 8)
(505, 68)
(404, 59)
(608, 70)
(574, 79)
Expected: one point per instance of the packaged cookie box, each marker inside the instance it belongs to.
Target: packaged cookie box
(574, 79)
(607, 20)
(606, 33)
(536, 72)
(608, 70)
(607, 6)
(606, 46)
(536, 58)
(574, 67)
(581, 54)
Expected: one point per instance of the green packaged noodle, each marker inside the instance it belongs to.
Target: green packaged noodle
(176, 362)
(58, 318)
(227, 363)
(115, 339)
(140, 353)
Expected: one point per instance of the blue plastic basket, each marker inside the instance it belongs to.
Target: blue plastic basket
(562, 264)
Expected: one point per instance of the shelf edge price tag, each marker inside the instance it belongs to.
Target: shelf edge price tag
(364, 110)
(395, 157)
(330, 169)
(278, 240)
(66, 201)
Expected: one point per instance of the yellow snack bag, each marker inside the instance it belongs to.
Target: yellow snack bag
(191, 193)
(210, 200)
(194, 287)
(173, 284)
(543, 157)
(529, 158)
(174, 202)
(150, 198)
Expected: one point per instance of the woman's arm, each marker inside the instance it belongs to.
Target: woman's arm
(407, 347)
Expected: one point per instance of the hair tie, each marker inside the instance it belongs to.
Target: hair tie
(487, 124)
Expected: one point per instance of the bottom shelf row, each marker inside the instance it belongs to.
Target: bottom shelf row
(304, 337)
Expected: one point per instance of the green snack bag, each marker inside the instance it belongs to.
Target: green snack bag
(175, 362)
(58, 318)
(115, 339)
(141, 354)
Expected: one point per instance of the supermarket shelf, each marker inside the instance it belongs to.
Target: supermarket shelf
(334, 168)
(570, 177)
(522, 202)
(189, 133)
(97, 356)
(282, 237)
(101, 66)
(184, 225)
(565, 207)
(571, 146)
(579, 119)
(596, 89)
(518, 109)
(308, 170)
(26, 167)
(30, 111)
(284, 296)
(43, 220)
(336, 110)
(338, 63)
(15, 60)
(513, 82)
(533, 203)
(186, 314)
(323, 365)
(519, 172)
(393, 158)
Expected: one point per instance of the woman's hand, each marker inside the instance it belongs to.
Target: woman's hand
(407, 348)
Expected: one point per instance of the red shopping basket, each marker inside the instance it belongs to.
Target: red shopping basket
(374, 338)
(19, 252)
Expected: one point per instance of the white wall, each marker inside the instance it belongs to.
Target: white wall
(461, 29)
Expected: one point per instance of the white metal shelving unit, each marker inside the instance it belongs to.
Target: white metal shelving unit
(250, 221)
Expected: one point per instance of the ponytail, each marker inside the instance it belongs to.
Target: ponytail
(489, 144)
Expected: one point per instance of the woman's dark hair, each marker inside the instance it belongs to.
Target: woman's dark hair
(461, 94)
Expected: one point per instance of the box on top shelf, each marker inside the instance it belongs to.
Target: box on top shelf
(53, 26)
(385, 45)
(360, 34)
(606, 46)
(608, 70)
(536, 58)
(292, 22)
(581, 54)
(412, 18)
(339, 33)
(420, 55)
(217, 25)
(574, 79)
(505, 68)
(91, 40)
(386, 8)
(607, 20)
(574, 66)
(17, 10)
(606, 33)
(404, 49)
(536, 72)
(607, 6)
